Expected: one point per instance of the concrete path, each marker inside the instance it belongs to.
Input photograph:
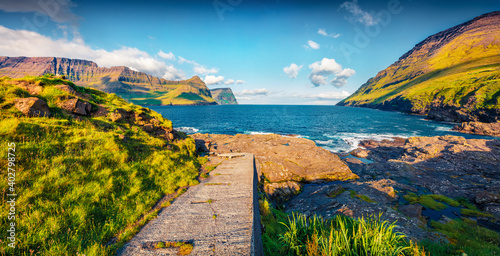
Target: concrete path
(229, 225)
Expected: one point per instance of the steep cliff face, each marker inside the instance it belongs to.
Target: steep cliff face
(137, 87)
(453, 75)
(224, 96)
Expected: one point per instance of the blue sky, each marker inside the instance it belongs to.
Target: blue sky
(268, 52)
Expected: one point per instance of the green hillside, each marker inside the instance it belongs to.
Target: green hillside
(82, 178)
(457, 68)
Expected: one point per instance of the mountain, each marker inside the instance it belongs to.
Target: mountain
(453, 75)
(223, 96)
(137, 87)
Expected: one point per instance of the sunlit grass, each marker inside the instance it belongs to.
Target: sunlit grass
(78, 183)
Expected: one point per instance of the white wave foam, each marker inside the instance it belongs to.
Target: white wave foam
(258, 133)
(188, 130)
(353, 139)
(443, 129)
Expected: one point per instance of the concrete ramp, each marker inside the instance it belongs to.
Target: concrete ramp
(219, 216)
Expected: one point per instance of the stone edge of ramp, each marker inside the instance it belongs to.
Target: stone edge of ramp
(132, 247)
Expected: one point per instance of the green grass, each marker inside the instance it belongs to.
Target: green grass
(464, 236)
(298, 235)
(353, 194)
(475, 213)
(78, 183)
(431, 201)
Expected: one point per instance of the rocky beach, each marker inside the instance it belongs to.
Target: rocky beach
(401, 179)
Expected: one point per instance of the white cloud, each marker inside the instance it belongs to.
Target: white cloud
(293, 70)
(357, 14)
(198, 68)
(57, 10)
(240, 82)
(229, 81)
(320, 70)
(167, 56)
(311, 44)
(247, 92)
(32, 44)
(322, 32)
(329, 95)
(213, 80)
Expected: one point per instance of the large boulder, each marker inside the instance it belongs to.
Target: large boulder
(282, 158)
(32, 107)
(76, 106)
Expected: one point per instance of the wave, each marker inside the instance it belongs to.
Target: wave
(188, 130)
(346, 141)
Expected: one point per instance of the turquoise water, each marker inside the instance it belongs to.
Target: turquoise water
(338, 129)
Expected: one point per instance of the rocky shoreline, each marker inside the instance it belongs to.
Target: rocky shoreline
(389, 177)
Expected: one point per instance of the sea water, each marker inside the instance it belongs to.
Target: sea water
(338, 129)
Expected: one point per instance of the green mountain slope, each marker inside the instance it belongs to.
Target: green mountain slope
(453, 75)
(136, 87)
(87, 166)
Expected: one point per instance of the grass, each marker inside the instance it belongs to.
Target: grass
(341, 235)
(185, 248)
(431, 201)
(78, 183)
(353, 194)
(475, 213)
(465, 236)
(337, 192)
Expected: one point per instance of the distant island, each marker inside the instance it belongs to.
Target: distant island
(223, 96)
(451, 76)
(134, 86)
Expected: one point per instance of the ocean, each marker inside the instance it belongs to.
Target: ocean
(338, 129)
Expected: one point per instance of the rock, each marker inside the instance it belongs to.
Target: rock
(411, 210)
(66, 88)
(362, 153)
(485, 197)
(491, 129)
(283, 158)
(82, 108)
(33, 89)
(32, 107)
(282, 191)
(149, 128)
(76, 106)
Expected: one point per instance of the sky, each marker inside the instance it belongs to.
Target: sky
(312, 52)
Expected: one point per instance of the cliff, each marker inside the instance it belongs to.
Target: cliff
(224, 96)
(136, 87)
(453, 75)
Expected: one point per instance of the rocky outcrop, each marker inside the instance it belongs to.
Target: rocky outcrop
(120, 80)
(491, 129)
(145, 121)
(32, 107)
(447, 76)
(282, 161)
(223, 96)
(76, 106)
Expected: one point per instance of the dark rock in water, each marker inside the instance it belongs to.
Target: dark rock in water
(32, 107)
(411, 210)
(491, 129)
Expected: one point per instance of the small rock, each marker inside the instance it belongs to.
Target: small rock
(484, 197)
(32, 107)
(362, 153)
(66, 88)
(411, 210)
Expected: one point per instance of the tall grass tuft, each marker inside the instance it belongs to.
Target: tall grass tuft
(344, 236)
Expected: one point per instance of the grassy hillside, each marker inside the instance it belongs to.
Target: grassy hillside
(458, 67)
(80, 183)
